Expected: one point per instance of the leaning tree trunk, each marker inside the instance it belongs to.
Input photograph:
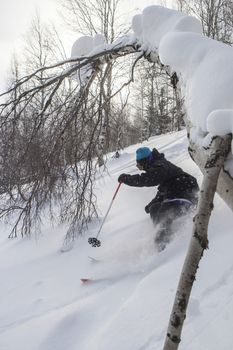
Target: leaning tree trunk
(225, 181)
(199, 240)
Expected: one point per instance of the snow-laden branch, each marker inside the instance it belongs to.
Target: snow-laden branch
(93, 62)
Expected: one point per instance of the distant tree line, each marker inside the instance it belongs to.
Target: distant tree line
(216, 17)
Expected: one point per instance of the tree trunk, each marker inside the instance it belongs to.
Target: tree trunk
(199, 240)
(225, 181)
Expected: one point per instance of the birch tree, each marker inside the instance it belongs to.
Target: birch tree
(199, 242)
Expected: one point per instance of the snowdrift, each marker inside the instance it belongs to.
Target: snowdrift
(44, 306)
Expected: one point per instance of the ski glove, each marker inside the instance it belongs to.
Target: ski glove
(123, 178)
(147, 209)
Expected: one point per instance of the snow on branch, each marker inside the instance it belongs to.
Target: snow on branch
(90, 63)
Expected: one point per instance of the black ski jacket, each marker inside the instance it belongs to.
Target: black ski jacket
(171, 180)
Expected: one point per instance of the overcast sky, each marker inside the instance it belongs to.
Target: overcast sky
(16, 16)
(15, 19)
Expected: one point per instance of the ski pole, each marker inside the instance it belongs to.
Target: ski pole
(94, 241)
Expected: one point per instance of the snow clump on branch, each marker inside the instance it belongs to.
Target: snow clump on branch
(85, 47)
(204, 65)
(156, 21)
(85, 44)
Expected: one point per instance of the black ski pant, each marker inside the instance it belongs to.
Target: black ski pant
(163, 214)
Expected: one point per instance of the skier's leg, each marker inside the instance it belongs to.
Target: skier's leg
(166, 214)
(154, 209)
(163, 214)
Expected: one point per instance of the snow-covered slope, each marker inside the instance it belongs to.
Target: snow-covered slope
(44, 306)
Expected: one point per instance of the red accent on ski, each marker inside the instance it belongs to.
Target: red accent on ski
(94, 280)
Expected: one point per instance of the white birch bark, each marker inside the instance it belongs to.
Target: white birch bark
(200, 156)
(225, 181)
(199, 240)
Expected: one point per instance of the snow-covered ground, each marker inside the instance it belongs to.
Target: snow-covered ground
(44, 305)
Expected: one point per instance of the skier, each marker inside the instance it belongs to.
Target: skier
(176, 195)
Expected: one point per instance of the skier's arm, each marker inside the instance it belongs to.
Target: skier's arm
(148, 179)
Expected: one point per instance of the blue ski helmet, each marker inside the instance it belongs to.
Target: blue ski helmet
(142, 153)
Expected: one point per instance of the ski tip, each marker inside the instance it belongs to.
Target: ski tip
(85, 280)
(94, 260)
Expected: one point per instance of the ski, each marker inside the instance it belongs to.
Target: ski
(86, 280)
(94, 280)
(94, 260)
